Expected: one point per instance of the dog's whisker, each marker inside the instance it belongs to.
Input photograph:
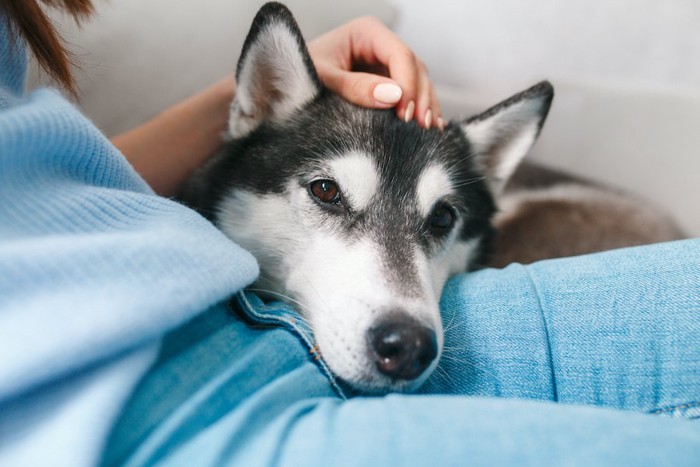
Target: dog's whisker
(453, 358)
(281, 295)
(455, 350)
(469, 181)
(460, 161)
(452, 325)
(448, 326)
(445, 375)
(313, 288)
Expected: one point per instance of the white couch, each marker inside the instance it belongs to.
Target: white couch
(626, 73)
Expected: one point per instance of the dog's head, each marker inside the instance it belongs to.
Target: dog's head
(356, 217)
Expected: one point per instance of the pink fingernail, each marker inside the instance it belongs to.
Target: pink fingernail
(408, 114)
(428, 119)
(441, 124)
(387, 93)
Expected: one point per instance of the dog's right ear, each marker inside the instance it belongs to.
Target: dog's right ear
(275, 74)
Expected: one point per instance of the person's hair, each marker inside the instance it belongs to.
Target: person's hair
(27, 19)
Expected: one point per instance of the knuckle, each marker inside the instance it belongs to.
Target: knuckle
(407, 55)
(354, 89)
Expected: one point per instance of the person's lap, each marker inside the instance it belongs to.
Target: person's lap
(617, 330)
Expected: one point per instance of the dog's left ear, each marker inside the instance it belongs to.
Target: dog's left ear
(275, 75)
(501, 136)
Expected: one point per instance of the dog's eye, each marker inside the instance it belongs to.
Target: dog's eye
(441, 219)
(325, 191)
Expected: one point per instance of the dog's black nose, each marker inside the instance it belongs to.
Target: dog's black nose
(402, 348)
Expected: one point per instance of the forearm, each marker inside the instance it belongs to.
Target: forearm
(168, 148)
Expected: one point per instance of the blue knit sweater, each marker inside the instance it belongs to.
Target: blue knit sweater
(94, 269)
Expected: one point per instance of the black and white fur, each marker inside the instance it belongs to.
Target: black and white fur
(414, 206)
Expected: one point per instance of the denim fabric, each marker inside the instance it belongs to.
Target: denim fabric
(539, 332)
(619, 329)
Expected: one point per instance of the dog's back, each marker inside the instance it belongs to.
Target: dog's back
(546, 214)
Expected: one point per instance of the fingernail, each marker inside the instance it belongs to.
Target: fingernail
(441, 124)
(428, 119)
(387, 93)
(408, 115)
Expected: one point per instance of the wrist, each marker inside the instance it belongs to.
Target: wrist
(167, 149)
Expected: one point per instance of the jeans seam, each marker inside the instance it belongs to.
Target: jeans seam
(293, 326)
(673, 408)
(545, 325)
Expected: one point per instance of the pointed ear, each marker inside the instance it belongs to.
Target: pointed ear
(501, 136)
(275, 74)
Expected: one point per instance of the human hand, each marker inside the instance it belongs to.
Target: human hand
(369, 65)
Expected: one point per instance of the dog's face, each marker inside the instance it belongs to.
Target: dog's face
(355, 217)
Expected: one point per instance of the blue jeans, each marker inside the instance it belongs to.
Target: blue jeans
(592, 360)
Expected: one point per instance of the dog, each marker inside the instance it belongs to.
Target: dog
(359, 218)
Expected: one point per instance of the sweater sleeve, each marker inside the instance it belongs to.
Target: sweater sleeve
(92, 263)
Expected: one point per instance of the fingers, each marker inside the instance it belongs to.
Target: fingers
(418, 101)
(364, 89)
(439, 121)
(432, 118)
(427, 105)
(366, 41)
(426, 108)
(402, 66)
(374, 41)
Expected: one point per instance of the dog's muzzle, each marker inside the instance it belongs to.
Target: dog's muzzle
(402, 348)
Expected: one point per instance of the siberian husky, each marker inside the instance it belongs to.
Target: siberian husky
(360, 218)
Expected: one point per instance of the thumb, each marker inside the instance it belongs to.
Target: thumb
(364, 89)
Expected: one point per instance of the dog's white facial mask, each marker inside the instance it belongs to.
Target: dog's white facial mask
(362, 252)
(343, 284)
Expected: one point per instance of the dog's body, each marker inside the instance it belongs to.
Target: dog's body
(548, 214)
(359, 219)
